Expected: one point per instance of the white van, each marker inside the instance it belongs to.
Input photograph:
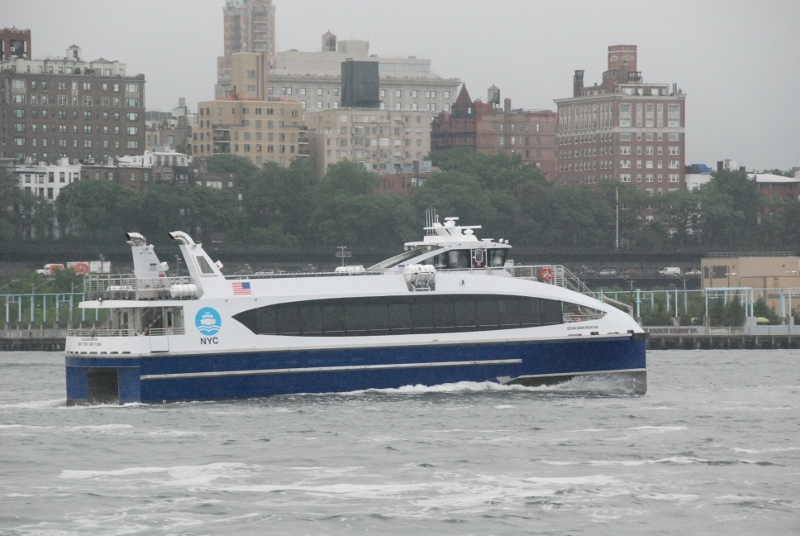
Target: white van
(670, 270)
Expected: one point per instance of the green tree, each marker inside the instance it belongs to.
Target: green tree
(458, 194)
(761, 309)
(230, 163)
(280, 203)
(656, 315)
(733, 313)
(349, 213)
(730, 207)
(679, 213)
(95, 211)
(579, 218)
(776, 171)
(500, 171)
(715, 311)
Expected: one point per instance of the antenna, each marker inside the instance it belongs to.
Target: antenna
(430, 218)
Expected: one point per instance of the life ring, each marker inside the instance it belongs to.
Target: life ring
(546, 273)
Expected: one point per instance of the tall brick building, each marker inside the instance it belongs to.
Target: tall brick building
(622, 129)
(487, 128)
(67, 107)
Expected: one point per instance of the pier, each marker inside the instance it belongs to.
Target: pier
(700, 338)
(41, 340)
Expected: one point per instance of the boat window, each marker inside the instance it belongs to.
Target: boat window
(458, 258)
(202, 263)
(454, 259)
(478, 256)
(396, 315)
(572, 312)
(497, 257)
(402, 257)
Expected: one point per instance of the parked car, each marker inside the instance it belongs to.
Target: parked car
(608, 271)
(670, 270)
(693, 271)
(589, 272)
(630, 271)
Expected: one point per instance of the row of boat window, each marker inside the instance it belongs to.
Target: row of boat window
(456, 259)
(393, 315)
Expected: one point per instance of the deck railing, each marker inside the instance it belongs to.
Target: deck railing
(128, 287)
(124, 332)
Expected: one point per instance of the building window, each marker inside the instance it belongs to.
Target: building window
(673, 115)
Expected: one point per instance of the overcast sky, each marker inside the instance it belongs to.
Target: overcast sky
(738, 61)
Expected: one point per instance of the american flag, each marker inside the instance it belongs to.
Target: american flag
(241, 288)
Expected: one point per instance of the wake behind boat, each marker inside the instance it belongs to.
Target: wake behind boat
(446, 309)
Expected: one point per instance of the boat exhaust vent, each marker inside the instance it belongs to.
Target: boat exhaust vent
(420, 277)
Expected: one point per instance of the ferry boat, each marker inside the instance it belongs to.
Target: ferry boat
(447, 309)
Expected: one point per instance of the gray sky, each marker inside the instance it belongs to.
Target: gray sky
(738, 61)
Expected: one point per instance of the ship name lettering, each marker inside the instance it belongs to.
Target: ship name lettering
(209, 340)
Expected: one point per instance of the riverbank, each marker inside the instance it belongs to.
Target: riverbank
(658, 338)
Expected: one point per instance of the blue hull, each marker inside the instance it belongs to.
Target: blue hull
(168, 378)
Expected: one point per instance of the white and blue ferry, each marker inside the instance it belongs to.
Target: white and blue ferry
(447, 309)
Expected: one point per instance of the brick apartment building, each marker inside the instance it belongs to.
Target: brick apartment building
(70, 108)
(622, 129)
(487, 128)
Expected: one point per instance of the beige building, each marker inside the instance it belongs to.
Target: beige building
(383, 141)
(764, 273)
(249, 123)
(315, 78)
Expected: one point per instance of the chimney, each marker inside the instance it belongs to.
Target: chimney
(506, 105)
(577, 84)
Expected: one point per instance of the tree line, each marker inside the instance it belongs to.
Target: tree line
(290, 206)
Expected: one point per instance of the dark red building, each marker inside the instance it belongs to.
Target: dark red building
(488, 128)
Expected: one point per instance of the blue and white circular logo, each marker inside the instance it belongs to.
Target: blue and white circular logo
(208, 321)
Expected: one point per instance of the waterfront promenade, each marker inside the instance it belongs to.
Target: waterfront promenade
(658, 338)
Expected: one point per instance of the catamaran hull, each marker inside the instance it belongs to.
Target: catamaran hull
(615, 364)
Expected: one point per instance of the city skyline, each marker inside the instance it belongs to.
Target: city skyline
(736, 62)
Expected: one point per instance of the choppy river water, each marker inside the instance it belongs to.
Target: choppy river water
(713, 449)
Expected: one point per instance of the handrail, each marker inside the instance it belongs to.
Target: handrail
(618, 303)
(125, 332)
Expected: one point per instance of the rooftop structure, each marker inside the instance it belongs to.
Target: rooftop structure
(15, 43)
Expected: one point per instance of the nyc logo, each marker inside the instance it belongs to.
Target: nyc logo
(208, 322)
